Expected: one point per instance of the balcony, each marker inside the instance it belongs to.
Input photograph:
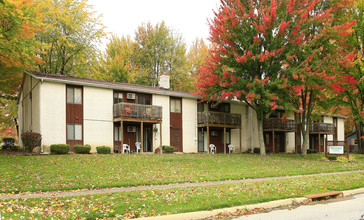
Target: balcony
(323, 128)
(278, 124)
(218, 119)
(130, 111)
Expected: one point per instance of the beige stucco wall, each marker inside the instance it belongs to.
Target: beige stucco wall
(53, 113)
(98, 117)
(189, 123)
(162, 101)
(238, 108)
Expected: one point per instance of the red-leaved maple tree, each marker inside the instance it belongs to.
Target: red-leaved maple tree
(260, 46)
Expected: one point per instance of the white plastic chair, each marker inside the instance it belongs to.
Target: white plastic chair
(126, 148)
(138, 146)
(212, 148)
(231, 148)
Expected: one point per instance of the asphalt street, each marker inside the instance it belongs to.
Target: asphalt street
(350, 209)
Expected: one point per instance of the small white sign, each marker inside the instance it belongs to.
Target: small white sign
(336, 150)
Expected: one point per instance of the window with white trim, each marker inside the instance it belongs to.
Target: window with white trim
(74, 132)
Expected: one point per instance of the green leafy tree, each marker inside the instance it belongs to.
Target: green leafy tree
(117, 60)
(159, 50)
(69, 38)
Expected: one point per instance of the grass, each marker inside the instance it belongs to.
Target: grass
(65, 172)
(161, 202)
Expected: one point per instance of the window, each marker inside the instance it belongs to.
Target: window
(74, 95)
(176, 106)
(118, 97)
(117, 134)
(74, 132)
(141, 99)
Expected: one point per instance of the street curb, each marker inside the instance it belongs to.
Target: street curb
(265, 205)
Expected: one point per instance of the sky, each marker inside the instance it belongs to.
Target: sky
(187, 17)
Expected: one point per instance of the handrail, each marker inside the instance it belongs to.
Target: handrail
(219, 118)
(279, 124)
(138, 111)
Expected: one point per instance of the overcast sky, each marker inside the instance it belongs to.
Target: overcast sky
(188, 17)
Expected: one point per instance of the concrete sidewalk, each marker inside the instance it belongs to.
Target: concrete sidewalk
(83, 192)
(266, 205)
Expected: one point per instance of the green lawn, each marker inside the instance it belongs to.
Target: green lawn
(44, 173)
(160, 202)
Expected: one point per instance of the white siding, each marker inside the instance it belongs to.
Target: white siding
(98, 117)
(241, 109)
(290, 138)
(163, 101)
(53, 113)
(329, 120)
(340, 129)
(189, 121)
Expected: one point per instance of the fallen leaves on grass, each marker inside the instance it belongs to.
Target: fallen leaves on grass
(171, 201)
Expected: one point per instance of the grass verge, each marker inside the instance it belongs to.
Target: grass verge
(65, 172)
(171, 201)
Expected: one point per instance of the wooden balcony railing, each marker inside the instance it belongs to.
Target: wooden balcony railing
(279, 124)
(137, 111)
(204, 118)
(320, 127)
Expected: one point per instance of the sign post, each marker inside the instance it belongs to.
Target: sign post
(336, 148)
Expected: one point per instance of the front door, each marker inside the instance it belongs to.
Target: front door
(176, 139)
(176, 124)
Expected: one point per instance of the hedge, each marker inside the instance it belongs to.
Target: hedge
(80, 149)
(168, 149)
(31, 140)
(103, 150)
(60, 148)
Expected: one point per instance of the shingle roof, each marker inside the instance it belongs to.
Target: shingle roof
(111, 85)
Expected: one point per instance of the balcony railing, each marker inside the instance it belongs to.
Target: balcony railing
(279, 124)
(320, 127)
(218, 118)
(137, 111)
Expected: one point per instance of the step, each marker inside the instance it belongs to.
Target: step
(319, 196)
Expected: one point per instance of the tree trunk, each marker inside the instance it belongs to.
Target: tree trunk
(261, 138)
(305, 134)
(305, 144)
(359, 134)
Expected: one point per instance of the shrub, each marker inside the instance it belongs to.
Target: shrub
(324, 159)
(9, 143)
(80, 149)
(342, 159)
(352, 158)
(103, 150)
(168, 149)
(311, 151)
(60, 148)
(31, 140)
